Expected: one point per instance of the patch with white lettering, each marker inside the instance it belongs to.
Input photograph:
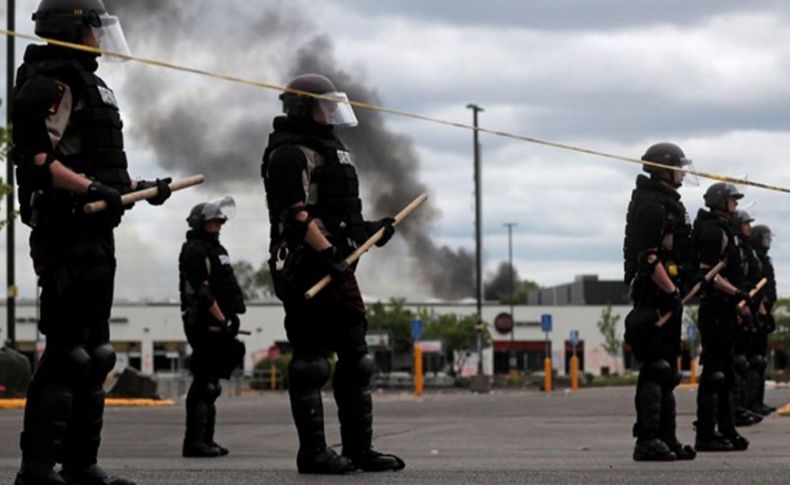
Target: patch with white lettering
(107, 96)
(344, 157)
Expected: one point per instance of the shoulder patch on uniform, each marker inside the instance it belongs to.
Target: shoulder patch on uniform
(344, 157)
(224, 259)
(108, 96)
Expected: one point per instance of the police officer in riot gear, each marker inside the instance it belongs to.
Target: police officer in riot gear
(745, 334)
(715, 237)
(211, 301)
(658, 263)
(68, 148)
(312, 191)
(761, 242)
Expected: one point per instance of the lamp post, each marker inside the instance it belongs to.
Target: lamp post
(10, 268)
(512, 361)
(478, 240)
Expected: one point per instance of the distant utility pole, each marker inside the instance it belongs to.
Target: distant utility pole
(10, 268)
(478, 241)
(510, 225)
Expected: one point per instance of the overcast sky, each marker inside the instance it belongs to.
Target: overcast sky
(610, 75)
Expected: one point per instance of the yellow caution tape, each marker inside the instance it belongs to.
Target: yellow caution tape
(109, 402)
(383, 109)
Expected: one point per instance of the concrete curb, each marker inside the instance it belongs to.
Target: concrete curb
(109, 402)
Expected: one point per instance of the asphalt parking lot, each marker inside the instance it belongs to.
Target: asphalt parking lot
(449, 437)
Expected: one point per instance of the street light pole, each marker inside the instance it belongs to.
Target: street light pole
(10, 268)
(509, 226)
(478, 241)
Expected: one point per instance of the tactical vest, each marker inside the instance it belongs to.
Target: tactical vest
(334, 186)
(767, 272)
(676, 230)
(221, 280)
(95, 122)
(730, 252)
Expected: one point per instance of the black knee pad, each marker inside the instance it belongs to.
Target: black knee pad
(357, 372)
(659, 371)
(758, 362)
(77, 365)
(740, 363)
(308, 373)
(102, 362)
(715, 380)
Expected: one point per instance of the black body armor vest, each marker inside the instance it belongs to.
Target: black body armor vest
(712, 224)
(334, 185)
(676, 224)
(95, 126)
(221, 280)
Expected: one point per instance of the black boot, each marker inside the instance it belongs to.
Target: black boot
(370, 460)
(739, 443)
(47, 412)
(669, 427)
(195, 445)
(355, 412)
(314, 456)
(653, 450)
(33, 473)
(712, 442)
(744, 417)
(212, 418)
(91, 475)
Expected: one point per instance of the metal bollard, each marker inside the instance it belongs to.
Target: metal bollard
(418, 383)
(547, 370)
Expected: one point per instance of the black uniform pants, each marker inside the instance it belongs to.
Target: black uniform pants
(65, 400)
(334, 321)
(717, 321)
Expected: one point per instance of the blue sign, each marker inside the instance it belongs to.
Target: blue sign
(545, 322)
(574, 337)
(416, 329)
(691, 332)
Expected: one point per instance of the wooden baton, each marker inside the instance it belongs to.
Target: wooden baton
(404, 213)
(753, 292)
(132, 197)
(693, 291)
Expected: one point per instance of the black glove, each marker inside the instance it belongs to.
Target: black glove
(336, 263)
(114, 211)
(740, 296)
(161, 184)
(389, 229)
(747, 319)
(233, 324)
(671, 302)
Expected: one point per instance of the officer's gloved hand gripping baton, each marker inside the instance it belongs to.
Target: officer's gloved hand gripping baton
(753, 292)
(139, 195)
(693, 291)
(404, 213)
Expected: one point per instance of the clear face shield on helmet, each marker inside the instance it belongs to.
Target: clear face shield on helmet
(109, 36)
(336, 113)
(684, 175)
(222, 209)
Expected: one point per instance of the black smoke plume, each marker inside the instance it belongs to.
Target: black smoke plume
(219, 129)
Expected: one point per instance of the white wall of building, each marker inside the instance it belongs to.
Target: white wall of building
(150, 323)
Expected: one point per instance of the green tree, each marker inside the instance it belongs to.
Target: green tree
(255, 284)
(455, 331)
(781, 336)
(5, 144)
(607, 325)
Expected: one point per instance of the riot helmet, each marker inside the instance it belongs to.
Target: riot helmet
(73, 20)
(222, 209)
(335, 111)
(668, 154)
(744, 220)
(762, 236)
(717, 195)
